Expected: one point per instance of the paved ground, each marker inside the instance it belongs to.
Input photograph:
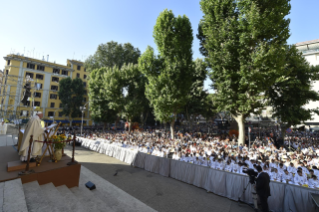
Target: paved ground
(161, 193)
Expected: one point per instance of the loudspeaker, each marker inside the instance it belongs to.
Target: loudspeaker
(90, 185)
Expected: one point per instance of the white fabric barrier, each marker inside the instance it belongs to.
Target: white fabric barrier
(103, 146)
(284, 197)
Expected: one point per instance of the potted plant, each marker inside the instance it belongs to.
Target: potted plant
(58, 145)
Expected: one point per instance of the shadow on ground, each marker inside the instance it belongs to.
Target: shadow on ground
(161, 193)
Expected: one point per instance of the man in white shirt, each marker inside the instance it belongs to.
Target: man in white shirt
(275, 176)
(299, 179)
(286, 177)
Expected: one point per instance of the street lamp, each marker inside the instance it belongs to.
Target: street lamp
(82, 108)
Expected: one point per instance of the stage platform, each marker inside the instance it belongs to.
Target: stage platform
(58, 173)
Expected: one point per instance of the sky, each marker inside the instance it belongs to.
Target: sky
(72, 29)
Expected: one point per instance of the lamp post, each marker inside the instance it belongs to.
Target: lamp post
(82, 108)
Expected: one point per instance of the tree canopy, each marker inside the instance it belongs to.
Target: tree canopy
(288, 97)
(245, 42)
(169, 74)
(71, 94)
(112, 54)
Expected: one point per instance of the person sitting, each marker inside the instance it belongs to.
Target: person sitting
(286, 177)
(275, 176)
(313, 182)
(228, 167)
(299, 178)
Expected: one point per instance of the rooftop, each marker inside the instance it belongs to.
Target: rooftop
(307, 42)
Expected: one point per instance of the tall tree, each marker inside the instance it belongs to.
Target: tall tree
(169, 75)
(125, 91)
(288, 96)
(71, 94)
(245, 42)
(112, 54)
(197, 95)
(99, 110)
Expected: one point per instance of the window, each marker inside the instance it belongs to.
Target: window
(28, 103)
(8, 62)
(79, 68)
(60, 114)
(84, 84)
(39, 86)
(56, 71)
(30, 66)
(54, 87)
(85, 92)
(37, 94)
(85, 69)
(78, 75)
(55, 79)
(84, 99)
(7, 72)
(37, 104)
(50, 113)
(84, 76)
(60, 105)
(30, 74)
(40, 68)
(53, 96)
(52, 104)
(65, 73)
(39, 76)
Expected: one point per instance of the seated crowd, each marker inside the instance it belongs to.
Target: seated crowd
(221, 152)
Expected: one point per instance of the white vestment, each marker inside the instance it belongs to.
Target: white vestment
(34, 128)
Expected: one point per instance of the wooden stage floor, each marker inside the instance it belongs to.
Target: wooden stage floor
(58, 173)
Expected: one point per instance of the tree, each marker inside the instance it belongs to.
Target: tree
(288, 97)
(197, 95)
(71, 95)
(124, 90)
(245, 44)
(99, 110)
(112, 54)
(169, 75)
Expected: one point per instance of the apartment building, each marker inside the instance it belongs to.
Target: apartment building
(45, 77)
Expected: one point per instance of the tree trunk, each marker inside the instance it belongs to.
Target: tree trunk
(283, 130)
(144, 121)
(241, 128)
(129, 126)
(172, 128)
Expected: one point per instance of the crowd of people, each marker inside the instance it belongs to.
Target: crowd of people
(297, 165)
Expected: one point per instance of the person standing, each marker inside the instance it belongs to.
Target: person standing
(262, 188)
(36, 128)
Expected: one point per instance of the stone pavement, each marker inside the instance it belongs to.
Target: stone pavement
(160, 193)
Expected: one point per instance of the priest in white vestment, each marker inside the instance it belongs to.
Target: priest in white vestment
(35, 128)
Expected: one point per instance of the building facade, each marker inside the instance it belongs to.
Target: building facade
(310, 51)
(45, 77)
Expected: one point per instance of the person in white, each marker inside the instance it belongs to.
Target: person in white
(299, 179)
(34, 128)
(286, 177)
(228, 167)
(275, 175)
(313, 182)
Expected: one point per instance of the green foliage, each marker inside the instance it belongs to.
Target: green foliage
(71, 94)
(169, 74)
(196, 103)
(112, 54)
(245, 42)
(99, 110)
(293, 89)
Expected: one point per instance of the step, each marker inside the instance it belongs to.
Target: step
(1, 195)
(69, 197)
(14, 197)
(36, 199)
(55, 197)
(89, 201)
(116, 198)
